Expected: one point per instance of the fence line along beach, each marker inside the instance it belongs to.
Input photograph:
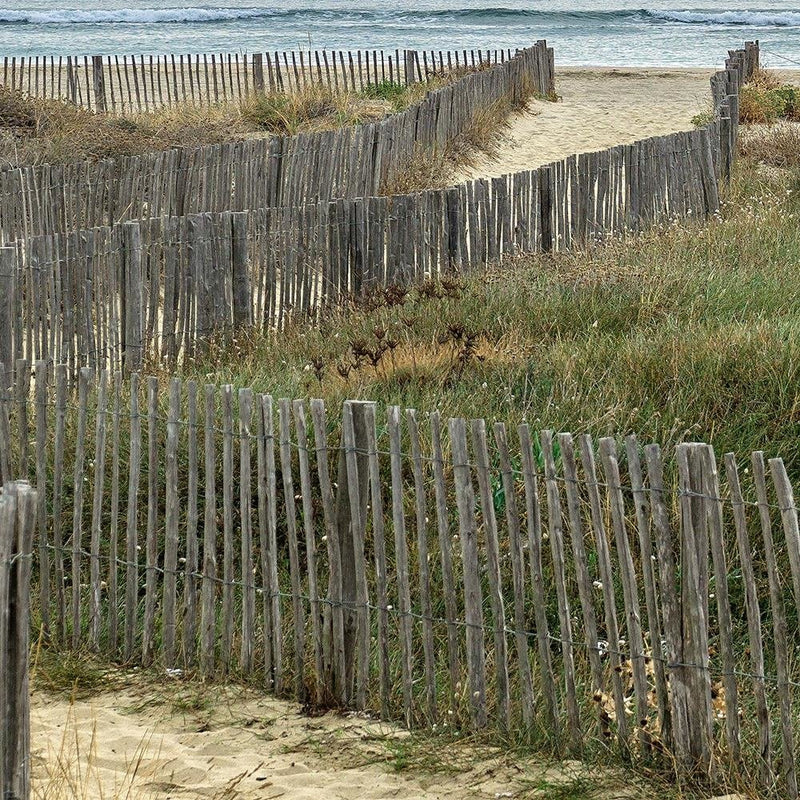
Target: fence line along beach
(521, 543)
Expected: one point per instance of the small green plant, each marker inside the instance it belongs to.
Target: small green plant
(577, 788)
(702, 119)
(391, 92)
(70, 673)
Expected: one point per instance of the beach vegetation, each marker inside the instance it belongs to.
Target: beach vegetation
(312, 108)
(775, 145)
(766, 99)
(703, 118)
(394, 93)
(690, 332)
(71, 673)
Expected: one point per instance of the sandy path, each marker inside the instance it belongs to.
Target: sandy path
(176, 742)
(600, 107)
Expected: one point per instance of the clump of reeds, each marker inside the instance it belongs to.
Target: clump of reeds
(312, 108)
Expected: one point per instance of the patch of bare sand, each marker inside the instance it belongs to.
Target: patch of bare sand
(600, 107)
(183, 741)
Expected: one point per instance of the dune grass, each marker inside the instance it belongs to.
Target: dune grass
(691, 332)
(37, 131)
(34, 131)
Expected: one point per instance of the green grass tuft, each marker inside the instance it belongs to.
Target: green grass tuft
(689, 332)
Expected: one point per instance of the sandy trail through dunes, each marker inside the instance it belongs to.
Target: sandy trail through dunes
(599, 108)
(181, 741)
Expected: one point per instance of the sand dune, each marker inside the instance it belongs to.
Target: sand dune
(599, 108)
(176, 741)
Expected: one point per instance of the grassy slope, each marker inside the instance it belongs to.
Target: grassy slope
(34, 131)
(688, 333)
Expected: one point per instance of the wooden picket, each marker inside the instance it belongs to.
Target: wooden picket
(571, 535)
(134, 83)
(18, 512)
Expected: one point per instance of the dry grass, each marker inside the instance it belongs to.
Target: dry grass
(484, 135)
(35, 131)
(765, 80)
(315, 108)
(776, 145)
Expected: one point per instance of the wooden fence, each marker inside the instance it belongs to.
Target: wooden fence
(114, 296)
(17, 522)
(128, 83)
(605, 598)
(354, 161)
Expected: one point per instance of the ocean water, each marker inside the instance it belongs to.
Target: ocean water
(615, 32)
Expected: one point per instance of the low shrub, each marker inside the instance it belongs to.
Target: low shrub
(765, 99)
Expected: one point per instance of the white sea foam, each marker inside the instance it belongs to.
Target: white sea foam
(145, 16)
(383, 15)
(761, 19)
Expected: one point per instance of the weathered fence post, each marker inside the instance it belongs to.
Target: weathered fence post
(132, 296)
(546, 208)
(72, 91)
(410, 66)
(733, 87)
(8, 263)
(694, 669)
(17, 522)
(258, 73)
(351, 507)
(5, 428)
(724, 141)
(99, 84)
(242, 304)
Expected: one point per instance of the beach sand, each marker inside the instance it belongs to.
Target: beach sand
(181, 741)
(599, 107)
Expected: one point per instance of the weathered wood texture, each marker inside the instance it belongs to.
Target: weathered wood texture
(364, 603)
(107, 297)
(17, 524)
(123, 84)
(270, 172)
